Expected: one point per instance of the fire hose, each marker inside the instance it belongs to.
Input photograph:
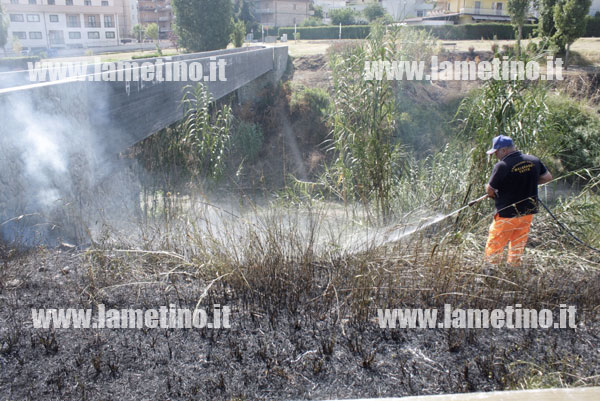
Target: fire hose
(560, 224)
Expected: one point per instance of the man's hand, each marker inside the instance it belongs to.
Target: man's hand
(544, 178)
(490, 191)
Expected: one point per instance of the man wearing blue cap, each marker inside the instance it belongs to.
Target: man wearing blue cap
(513, 185)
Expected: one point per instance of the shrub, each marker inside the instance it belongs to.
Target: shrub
(313, 21)
(17, 63)
(573, 133)
(447, 32)
(328, 32)
(238, 33)
(488, 31)
(532, 47)
(314, 100)
(508, 50)
(344, 16)
(248, 140)
(592, 29)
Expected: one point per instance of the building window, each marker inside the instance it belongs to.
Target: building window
(110, 35)
(16, 18)
(108, 21)
(33, 18)
(51, 2)
(20, 35)
(35, 35)
(53, 18)
(74, 35)
(73, 21)
(91, 21)
(69, 2)
(14, 1)
(93, 35)
(87, 3)
(32, 1)
(104, 3)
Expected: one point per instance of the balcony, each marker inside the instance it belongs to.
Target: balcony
(264, 11)
(483, 11)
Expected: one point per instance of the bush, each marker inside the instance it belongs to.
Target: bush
(532, 48)
(480, 31)
(143, 56)
(248, 141)
(573, 133)
(314, 100)
(344, 16)
(446, 32)
(328, 32)
(17, 63)
(238, 34)
(592, 28)
(312, 21)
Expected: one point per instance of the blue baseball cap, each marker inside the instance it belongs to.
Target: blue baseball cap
(501, 141)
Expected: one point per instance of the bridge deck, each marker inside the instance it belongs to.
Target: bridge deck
(124, 113)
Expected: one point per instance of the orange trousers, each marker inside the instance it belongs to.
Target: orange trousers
(504, 230)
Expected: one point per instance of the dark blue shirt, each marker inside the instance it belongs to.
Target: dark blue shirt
(515, 178)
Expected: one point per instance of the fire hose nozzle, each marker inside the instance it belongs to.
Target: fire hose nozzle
(478, 200)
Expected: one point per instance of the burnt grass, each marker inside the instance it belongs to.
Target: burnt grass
(319, 343)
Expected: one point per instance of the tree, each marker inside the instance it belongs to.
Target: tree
(517, 9)
(369, 157)
(570, 22)
(374, 11)
(3, 29)
(173, 38)
(152, 33)
(344, 16)
(244, 10)
(203, 25)
(546, 27)
(16, 45)
(318, 11)
(312, 21)
(138, 32)
(238, 34)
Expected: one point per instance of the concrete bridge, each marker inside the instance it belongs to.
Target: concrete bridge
(124, 113)
(59, 140)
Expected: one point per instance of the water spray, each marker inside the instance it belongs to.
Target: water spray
(393, 234)
(440, 218)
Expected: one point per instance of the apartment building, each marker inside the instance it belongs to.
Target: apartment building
(48, 24)
(130, 17)
(282, 12)
(398, 9)
(469, 11)
(159, 12)
(360, 5)
(402, 9)
(329, 5)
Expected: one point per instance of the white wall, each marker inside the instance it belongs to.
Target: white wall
(60, 9)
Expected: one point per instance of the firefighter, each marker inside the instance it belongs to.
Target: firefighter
(514, 187)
